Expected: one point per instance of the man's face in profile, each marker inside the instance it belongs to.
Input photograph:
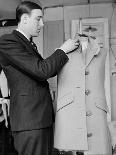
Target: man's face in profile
(35, 22)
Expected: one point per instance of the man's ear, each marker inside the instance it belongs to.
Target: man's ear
(24, 18)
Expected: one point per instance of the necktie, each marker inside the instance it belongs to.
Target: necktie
(32, 43)
(35, 47)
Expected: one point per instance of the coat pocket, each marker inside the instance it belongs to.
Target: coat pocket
(64, 101)
(101, 104)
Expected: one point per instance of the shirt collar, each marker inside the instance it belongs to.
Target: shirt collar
(23, 33)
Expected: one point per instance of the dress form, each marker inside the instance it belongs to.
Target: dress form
(81, 102)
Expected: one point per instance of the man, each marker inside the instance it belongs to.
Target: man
(31, 110)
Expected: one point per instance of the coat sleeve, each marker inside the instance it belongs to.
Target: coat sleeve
(29, 63)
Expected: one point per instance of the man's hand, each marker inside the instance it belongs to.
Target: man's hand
(69, 45)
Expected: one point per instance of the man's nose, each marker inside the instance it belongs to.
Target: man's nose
(41, 23)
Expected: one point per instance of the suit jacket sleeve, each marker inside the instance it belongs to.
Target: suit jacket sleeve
(29, 63)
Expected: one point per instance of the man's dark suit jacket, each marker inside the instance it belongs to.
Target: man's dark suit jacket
(27, 73)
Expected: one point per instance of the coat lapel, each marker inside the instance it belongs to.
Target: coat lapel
(92, 51)
(89, 56)
(26, 42)
(86, 58)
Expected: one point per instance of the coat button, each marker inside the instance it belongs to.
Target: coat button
(89, 134)
(62, 153)
(86, 72)
(87, 92)
(88, 113)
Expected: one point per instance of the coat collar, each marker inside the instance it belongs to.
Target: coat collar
(92, 51)
(25, 41)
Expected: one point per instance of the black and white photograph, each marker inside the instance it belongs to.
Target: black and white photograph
(57, 77)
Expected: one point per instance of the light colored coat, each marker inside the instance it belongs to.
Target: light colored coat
(81, 117)
(4, 102)
(4, 85)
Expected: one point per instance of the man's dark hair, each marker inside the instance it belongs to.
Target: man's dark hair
(26, 7)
